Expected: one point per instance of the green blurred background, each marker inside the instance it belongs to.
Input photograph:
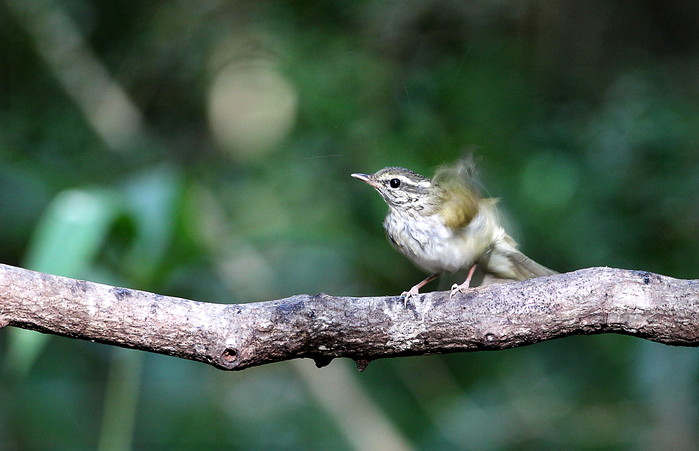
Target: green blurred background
(203, 150)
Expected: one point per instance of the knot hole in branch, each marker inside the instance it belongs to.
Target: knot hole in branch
(229, 356)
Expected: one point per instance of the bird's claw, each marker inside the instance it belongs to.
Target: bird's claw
(456, 288)
(406, 295)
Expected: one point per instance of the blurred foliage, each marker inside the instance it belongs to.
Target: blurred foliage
(203, 150)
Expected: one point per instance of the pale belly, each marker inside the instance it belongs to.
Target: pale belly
(436, 248)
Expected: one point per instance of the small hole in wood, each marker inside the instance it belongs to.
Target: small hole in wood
(229, 355)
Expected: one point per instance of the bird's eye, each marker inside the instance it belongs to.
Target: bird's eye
(395, 183)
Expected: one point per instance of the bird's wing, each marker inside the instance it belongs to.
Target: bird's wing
(458, 193)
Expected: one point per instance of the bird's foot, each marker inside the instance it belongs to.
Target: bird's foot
(411, 293)
(457, 289)
(414, 291)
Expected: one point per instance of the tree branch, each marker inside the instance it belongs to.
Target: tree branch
(323, 327)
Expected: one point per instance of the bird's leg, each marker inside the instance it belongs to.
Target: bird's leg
(464, 286)
(414, 291)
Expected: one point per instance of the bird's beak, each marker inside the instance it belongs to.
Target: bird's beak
(365, 178)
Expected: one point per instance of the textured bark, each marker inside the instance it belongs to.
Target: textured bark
(323, 327)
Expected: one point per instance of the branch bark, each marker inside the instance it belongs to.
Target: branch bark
(323, 327)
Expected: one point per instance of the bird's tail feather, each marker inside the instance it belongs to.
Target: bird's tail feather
(525, 268)
(504, 260)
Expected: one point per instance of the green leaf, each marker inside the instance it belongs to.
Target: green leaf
(65, 242)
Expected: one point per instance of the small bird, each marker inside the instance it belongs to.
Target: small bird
(443, 225)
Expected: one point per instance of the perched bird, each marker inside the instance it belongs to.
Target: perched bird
(443, 225)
